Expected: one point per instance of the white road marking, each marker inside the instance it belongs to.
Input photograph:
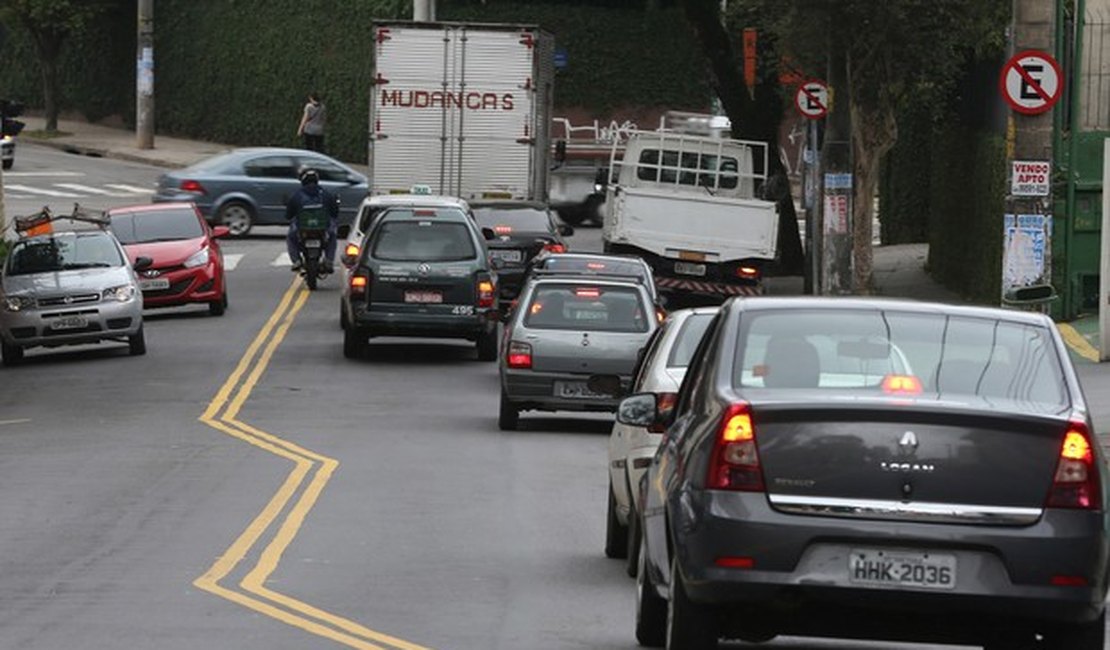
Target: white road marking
(36, 190)
(282, 260)
(19, 421)
(85, 188)
(131, 188)
(9, 195)
(231, 260)
(6, 174)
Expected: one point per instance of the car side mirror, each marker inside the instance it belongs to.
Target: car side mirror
(219, 232)
(344, 231)
(142, 263)
(638, 410)
(354, 179)
(566, 230)
(489, 234)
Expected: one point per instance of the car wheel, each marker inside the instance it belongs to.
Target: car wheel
(651, 610)
(354, 343)
(218, 307)
(616, 534)
(487, 346)
(8, 164)
(632, 562)
(1078, 636)
(343, 322)
(572, 216)
(136, 343)
(237, 216)
(592, 209)
(11, 355)
(690, 626)
(509, 417)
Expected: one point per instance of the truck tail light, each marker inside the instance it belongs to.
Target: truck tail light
(192, 186)
(520, 355)
(486, 292)
(734, 463)
(746, 272)
(1076, 484)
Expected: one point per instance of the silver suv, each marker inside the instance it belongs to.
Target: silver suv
(71, 286)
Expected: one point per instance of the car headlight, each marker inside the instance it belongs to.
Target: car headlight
(122, 293)
(6, 139)
(199, 258)
(18, 303)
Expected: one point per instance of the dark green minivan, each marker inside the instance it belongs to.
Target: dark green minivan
(422, 272)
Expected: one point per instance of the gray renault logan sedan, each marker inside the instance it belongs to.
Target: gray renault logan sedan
(875, 469)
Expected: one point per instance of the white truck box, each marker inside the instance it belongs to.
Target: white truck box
(462, 108)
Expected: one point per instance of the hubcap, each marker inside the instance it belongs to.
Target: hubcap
(237, 219)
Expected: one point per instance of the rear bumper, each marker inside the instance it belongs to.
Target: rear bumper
(379, 320)
(531, 390)
(704, 288)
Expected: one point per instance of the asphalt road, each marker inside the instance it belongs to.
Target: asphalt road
(244, 486)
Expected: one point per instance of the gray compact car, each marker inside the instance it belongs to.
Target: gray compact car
(248, 187)
(874, 469)
(66, 288)
(564, 330)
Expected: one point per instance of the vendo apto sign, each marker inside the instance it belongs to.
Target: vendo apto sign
(1030, 177)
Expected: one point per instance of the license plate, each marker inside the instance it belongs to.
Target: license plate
(424, 297)
(575, 389)
(687, 268)
(69, 323)
(155, 284)
(312, 243)
(873, 567)
(506, 255)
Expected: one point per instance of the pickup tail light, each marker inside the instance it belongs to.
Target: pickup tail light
(747, 272)
(360, 284)
(1076, 483)
(520, 355)
(192, 186)
(486, 292)
(734, 464)
(664, 404)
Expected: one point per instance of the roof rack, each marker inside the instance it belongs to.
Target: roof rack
(39, 222)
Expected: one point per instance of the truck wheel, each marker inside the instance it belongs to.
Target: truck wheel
(571, 216)
(592, 209)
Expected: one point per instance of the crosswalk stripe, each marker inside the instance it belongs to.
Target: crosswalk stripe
(7, 174)
(38, 190)
(131, 188)
(231, 260)
(281, 260)
(85, 188)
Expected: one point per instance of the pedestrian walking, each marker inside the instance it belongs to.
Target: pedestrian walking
(312, 123)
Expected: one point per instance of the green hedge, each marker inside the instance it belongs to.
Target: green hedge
(906, 184)
(221, 76)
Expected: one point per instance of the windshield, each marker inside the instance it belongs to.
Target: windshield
(952, 357)
(688, 339)
(423, 241)
(507, 220)
(64, 252)
(163, 225)
(580, 307)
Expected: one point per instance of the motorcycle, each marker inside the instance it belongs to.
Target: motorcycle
(311, 237)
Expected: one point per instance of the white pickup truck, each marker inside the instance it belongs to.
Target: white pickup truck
(687, 204)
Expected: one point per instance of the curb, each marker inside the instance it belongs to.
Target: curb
(96, 152)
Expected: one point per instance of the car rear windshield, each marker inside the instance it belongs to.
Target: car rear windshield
(171, 224)
(584, 307)
(688, 339)
(508, 220)
(64, 252)
(423, 241)
(587, 265)
(997, 362)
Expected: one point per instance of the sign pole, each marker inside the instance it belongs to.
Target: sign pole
(1104, 264)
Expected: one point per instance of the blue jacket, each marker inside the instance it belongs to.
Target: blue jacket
(303, 198)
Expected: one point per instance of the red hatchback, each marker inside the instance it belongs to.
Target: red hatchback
(188, 264)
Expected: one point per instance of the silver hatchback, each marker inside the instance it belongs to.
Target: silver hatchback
(565, 330)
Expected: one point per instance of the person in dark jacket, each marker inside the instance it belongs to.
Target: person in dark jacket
(312, 197)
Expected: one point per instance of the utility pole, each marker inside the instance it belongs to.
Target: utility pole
(424, 11)
(833, 237)
(144, 77)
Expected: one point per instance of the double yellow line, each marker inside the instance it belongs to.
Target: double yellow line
(287, 509)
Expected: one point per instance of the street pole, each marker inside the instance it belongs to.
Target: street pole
(1104, 263)
(423, 11)
(834, 238)
(144, 77)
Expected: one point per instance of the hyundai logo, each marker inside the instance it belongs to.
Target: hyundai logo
(152, 273)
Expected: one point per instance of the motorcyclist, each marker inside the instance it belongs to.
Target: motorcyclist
(312, 196)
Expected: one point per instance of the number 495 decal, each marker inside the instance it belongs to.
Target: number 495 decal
(462, 310)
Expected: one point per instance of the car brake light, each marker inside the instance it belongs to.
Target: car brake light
(192, 186)
(664, 404)
(520, 355)
(734, 464)
(735, 562)
(595, 266)
(351, 250)
(486, 296)
(502, 230)
(555, 248)
(747, 272)
(360, 282)
(588, 293)
(424, 213)
(1076, 483)
(901, 385)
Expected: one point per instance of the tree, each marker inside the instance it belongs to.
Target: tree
(50, 23)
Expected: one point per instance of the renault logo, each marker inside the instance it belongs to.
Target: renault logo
(908, 441)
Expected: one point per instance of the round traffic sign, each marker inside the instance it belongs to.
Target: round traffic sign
(1031, 82)
(812, 99)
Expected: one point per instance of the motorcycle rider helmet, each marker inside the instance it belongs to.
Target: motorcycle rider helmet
(309, 176)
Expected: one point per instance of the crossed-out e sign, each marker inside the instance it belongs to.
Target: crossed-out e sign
(812, 99)
(1031, 82)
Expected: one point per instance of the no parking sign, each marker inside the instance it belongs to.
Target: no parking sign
(1031, 82)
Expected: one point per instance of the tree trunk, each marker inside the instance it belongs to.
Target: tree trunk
(49, 47)
(874, 132)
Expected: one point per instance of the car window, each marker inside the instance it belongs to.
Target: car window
(692, 380)
(162, 225)
(643, 360)
(687, 340)
(507, 220)
(64, 252)
(366, 217)
(1003, 362)
(578, 307)
(423, 241)
(328, 170)
(270, 167)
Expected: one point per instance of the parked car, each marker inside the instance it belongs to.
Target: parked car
(522, 229)
(187, 263)
(70, 286)
(660, 369)
(250, 187)
(421, 272)
(7, 151)
(874, 469)
(567, 329)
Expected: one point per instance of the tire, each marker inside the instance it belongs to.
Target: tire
(12, 355)
(616, 534)
(487, 346)
(237, 216)
(1079, 636)
(8, 164)
(651, 610)
(311, 272)
(632, 562)
(690, 626)
(592, 209)
(218, 307)
(136, 343)
(572, 216)
(343, 322)
(354, 343)
(508, 418)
